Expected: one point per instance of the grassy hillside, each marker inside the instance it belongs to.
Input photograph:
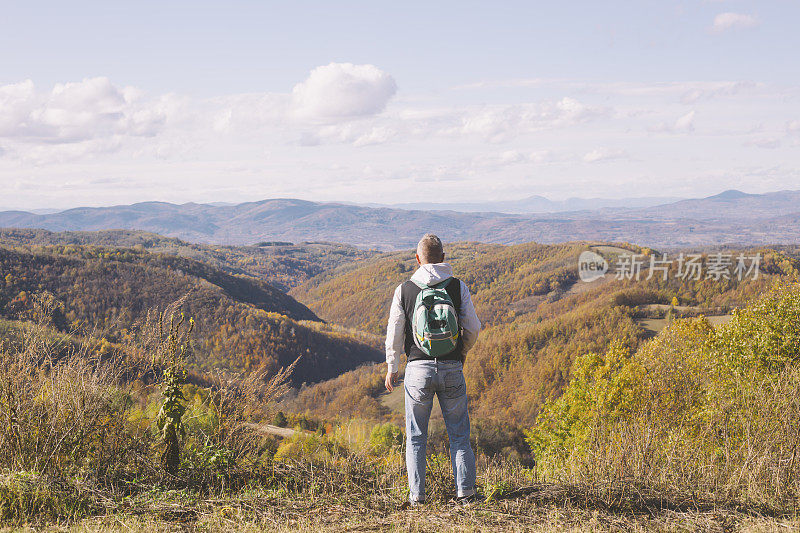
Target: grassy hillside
(242, 323)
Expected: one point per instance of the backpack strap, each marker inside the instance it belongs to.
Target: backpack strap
(454, 290)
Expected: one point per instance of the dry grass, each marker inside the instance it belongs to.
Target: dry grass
(357, 493)
(70, 444)
(61, 405)
(543, 508)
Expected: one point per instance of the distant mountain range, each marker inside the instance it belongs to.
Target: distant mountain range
(732, 217)
(537, 204)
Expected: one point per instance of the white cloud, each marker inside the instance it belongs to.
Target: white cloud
(246, 113)
(716, 90)
(376, 135)
(603, 154)
(74, 112)
(541, 156)
(572, 111)
(686, 91)
(353, 133)
(502, 123)
(686, 122)
(342, 91)
(497, 160)
(767, 143)
(60, 153)
(511, 156)
(243, 146)
(16, 103)
(727, 21)
(492, 123)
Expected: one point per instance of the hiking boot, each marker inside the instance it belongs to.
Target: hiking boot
(468, 500)
(412, 503)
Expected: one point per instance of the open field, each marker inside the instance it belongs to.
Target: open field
(655, 325)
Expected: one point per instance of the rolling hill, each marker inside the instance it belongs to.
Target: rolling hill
(538, 204)
(538, 317)
(730, 204)
(505, 280)
(243, 323)
(282, 265)
(728, 218)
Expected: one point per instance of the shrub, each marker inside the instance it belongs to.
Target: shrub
(63, 409)
(279, 419)
(385, 438)
(173, 346)
(695, 409)
(309, 447)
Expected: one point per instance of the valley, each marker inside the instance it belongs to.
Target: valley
(319, 309)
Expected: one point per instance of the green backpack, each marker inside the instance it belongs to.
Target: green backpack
(434, 322)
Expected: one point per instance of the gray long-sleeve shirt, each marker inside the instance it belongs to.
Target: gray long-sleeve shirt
(429, 274)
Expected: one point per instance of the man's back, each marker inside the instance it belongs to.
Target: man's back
(398, 335)
(428, 375)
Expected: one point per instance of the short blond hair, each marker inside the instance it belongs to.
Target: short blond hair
(430, 249)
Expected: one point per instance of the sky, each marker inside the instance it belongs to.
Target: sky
(105, 103)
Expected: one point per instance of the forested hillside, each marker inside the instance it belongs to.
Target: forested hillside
(713, 411)
(571, 370)
(281, 264)
(242, 323)
(538, 316)
(504, 280)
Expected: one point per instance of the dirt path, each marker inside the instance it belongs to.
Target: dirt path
(269, 429)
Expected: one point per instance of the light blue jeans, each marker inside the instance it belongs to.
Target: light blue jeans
(423, 379)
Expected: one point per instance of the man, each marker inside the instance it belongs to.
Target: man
(440, 373)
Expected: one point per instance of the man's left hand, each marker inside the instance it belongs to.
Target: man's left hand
(391, 379)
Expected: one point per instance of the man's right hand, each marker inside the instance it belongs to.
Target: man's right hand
(391, 379)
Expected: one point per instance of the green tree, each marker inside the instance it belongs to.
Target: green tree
(169, 418)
